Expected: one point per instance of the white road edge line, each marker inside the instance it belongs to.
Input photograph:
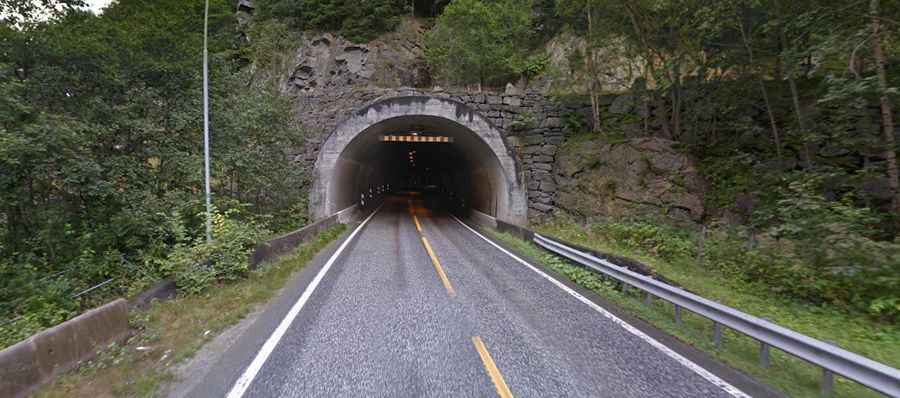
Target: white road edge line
(243, 383)
(730, 389)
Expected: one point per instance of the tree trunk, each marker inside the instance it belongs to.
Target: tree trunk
(765, 93)
(795, 97)
(775, 135)
(661, 113)
(778, 70)
(593, 86)
(887, 116)
(676, 100)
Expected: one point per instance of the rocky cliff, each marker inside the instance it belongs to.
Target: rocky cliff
(599, 178)
(331, 77)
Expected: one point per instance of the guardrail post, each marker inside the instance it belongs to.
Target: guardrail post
(764, 351)
(827, 382)
(763, 354)
(717, 335)
(677, 314)
(648, 299)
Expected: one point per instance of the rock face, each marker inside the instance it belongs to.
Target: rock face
(332, 78)
(615, 74)
(327, 62)
(635, 177)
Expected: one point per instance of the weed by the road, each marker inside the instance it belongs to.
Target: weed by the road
(172, 331)
(794, 376)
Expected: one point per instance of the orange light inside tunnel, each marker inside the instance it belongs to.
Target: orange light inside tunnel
(416, 138)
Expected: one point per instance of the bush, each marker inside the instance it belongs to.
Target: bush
(846, 270)
(199, 264)
(358, 21)
(483, 42)
(654, 238)
(835, 248)
(821, 252)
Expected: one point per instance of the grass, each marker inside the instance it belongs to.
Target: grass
(170, 332)
(795, 377)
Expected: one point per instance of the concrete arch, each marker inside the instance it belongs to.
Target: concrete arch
(352, 159)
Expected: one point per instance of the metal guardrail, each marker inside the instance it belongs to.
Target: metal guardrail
(830, 358)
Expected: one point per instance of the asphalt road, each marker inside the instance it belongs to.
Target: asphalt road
(383, 322)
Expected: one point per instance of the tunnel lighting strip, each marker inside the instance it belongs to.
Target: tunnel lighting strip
(416, 138)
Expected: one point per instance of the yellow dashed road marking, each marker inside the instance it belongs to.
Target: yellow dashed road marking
(434, 259)
(418, 226)
(439, 268)
(489, 365)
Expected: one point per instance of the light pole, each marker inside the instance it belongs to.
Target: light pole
(206, 123)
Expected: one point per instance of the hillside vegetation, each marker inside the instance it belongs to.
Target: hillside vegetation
(101, 156)
(786, 106)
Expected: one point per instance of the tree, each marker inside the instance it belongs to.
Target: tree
(358, 21)
(479, 41)
(14, 12)
(100, 144)
(595, 21)
(887, 114)
(790, 63)
(744, 25)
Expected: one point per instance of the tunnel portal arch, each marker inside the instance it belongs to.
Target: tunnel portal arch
(352, 159)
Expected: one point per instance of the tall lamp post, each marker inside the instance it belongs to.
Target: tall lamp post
(206, 123)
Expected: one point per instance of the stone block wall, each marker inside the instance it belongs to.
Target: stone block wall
(532, 125)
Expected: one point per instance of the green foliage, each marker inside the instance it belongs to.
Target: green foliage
(534, 65)
(792, 375)
(821, 252)
(271, 41)
(177, 329)
(655, 238)
(355, 20)
(18, 12)
(101, 152)
(479, 41)
(200, 263)
(836, 243)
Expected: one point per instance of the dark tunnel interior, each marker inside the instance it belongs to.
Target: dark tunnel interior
(460, 175)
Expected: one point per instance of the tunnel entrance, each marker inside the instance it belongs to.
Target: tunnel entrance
(431, 145)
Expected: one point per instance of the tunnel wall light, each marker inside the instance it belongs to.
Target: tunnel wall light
(416, 138)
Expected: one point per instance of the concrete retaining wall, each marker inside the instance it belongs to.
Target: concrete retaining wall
(482, 219)
(161, 291)
(516, 230)
(274, 248)
(28, 364)
(269, 250)
(38, 359)
(350, 214)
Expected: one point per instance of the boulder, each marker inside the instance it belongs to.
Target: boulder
(622, 104)
(639, 177)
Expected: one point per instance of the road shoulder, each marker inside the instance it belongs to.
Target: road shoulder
(213, 369)
(738, 379)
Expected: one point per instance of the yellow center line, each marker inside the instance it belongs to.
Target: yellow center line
(489, 365)
(438, 268)
(418, 226)
(412, 212)
(434, 260)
